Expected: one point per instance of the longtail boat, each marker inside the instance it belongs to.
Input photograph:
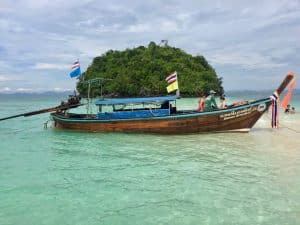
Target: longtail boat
(160, 115)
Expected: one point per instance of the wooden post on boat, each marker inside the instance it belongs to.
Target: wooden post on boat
(285, 82)
(89, 82)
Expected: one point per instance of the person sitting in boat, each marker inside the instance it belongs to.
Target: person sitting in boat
(210, 101)
(238, 103)
(288, 109)
(293, 111)
(222, 102)
(165, 105)
(201, 103)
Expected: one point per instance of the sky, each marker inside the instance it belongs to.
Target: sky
(251, 44)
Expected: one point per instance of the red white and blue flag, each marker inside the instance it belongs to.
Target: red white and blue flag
(75, 69)
(172, 77)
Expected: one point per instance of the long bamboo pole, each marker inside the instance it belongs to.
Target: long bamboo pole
(52, 109)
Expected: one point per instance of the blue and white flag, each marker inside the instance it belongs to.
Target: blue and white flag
(75, 69)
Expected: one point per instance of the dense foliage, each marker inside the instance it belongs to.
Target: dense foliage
(142, 71)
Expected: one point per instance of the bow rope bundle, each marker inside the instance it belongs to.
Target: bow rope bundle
(275, 117)
(290, 78)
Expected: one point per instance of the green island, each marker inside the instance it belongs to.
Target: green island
(141, 71)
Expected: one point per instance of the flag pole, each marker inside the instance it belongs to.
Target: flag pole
(177, 91)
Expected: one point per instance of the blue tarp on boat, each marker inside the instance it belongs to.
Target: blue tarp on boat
(148, 100)
(133, 114)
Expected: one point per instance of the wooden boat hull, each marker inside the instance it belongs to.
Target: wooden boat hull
(240, 118)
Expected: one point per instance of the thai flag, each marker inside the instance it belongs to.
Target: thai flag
(75, 69)
(172, 77)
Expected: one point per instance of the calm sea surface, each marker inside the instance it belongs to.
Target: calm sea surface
(64, 177)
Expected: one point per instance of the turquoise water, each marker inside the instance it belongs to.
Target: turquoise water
(63, 177)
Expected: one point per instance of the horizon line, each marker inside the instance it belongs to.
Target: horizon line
(72, 91)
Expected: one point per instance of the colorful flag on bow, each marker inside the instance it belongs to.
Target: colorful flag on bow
(75, 69)
(275, 118)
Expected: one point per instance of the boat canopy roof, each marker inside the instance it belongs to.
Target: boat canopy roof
(148, 100)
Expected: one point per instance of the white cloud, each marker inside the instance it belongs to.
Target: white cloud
(168, 26)
(33, 90)
(163, 26)
(24, 90)
(5, 78)
(59, 89)
(11, 26)
(278, 20)
(139, 28)
(245, 60)
(5, 89)
(38, 37)
(183, 16)
(49, 66)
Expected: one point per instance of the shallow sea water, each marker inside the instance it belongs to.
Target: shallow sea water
(64, 177)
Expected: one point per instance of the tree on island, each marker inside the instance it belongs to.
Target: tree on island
(142, 71)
